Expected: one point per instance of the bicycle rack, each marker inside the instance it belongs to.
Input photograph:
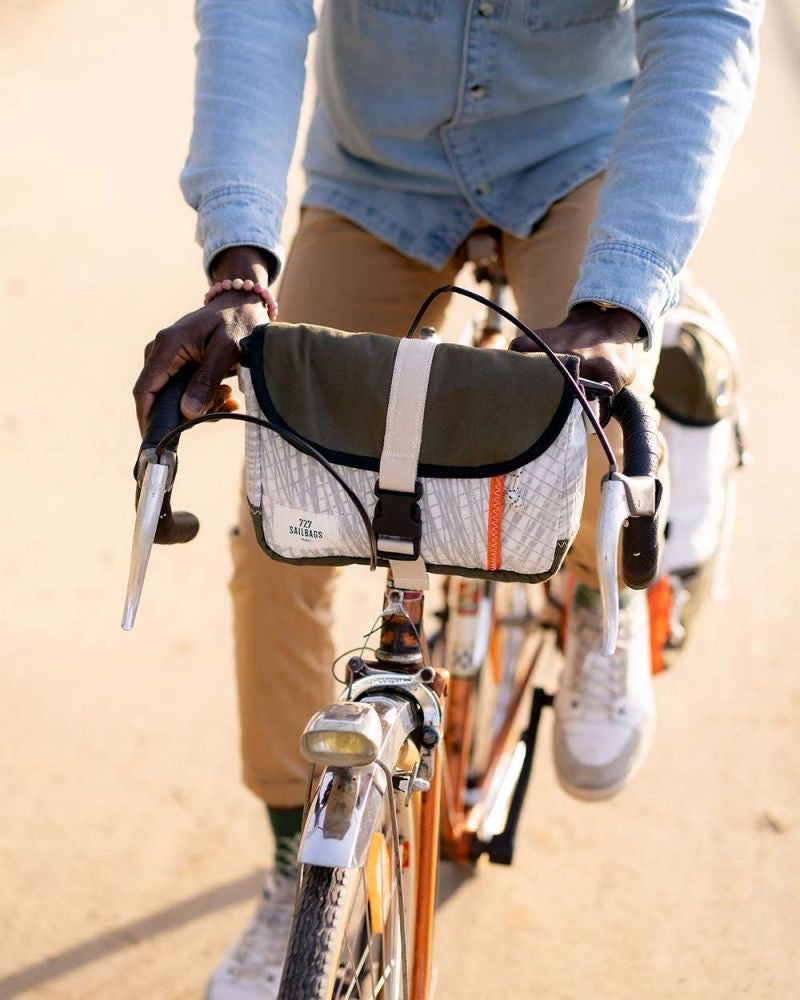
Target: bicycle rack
(500, 848)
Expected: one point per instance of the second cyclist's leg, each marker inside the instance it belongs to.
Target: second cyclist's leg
(604, 708)
(340, 276)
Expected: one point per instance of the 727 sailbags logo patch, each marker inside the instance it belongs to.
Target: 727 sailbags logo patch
(305, 528)
(293, 529)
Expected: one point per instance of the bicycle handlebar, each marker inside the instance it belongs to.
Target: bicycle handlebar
(640, 535)
(174, 527)
(629, 507)
(629, 504)
(166, 414)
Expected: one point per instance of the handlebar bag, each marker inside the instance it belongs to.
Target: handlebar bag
(473, 460)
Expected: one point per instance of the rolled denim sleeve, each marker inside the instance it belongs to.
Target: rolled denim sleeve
(248, 92)
(698, 62)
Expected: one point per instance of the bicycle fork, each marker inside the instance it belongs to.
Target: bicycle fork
(383, 739)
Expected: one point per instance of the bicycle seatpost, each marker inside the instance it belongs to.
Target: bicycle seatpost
(483, 250)
(155, 475)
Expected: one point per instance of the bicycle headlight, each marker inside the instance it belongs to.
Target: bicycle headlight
(343, 735)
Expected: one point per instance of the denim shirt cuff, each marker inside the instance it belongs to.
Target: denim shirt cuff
(240, 215)
(630, 277)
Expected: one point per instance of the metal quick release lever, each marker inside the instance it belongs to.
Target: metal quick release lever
(155, 475)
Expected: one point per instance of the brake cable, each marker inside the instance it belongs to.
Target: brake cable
(545, 348)
(290, 437)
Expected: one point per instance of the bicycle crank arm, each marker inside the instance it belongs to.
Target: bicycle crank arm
(152, 493)
(497, 833)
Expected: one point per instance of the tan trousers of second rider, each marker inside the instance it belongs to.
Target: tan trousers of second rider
(340, 276)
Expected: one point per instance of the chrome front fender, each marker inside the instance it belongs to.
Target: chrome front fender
(347, 806)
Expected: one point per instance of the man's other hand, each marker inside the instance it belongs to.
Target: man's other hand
(602, 338)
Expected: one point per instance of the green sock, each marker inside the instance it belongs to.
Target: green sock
(587, 597)
(287, 825)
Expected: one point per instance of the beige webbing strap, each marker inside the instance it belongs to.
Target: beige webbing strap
(409, 575)
(405, 417)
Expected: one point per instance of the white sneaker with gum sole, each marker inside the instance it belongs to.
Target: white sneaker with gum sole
(604, 709)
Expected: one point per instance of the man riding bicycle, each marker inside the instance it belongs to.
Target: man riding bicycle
(593, 135)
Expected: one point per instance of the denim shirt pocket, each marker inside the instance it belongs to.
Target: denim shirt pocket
(555, 15)
(428, 10)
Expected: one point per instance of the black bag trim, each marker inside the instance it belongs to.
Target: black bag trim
(504, 576)
(252, 357)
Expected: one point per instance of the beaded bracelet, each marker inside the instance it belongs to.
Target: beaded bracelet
(244, 285)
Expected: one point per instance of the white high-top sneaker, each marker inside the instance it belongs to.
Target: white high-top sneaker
(605, 712)
(251, 970)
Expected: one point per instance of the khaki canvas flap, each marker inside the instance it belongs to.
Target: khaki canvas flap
(488, 412)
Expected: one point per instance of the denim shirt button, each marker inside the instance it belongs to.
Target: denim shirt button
(483, 188)
(477, 92)
(486, 9)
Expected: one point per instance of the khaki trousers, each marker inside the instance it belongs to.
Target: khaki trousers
(338, 275)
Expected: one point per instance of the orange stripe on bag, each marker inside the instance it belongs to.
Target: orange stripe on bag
(494, 532)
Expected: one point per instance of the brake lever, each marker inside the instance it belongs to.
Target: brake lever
(151, 493)
(621, 497)
(155, 475)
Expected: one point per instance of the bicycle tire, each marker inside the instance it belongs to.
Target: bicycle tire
(312, 946)
(333, 909)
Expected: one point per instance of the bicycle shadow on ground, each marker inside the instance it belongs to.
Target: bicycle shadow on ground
(127, 935)
(451, 878)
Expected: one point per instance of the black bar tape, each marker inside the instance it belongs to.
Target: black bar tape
(641, 453)
(180, 526)
(166, 413)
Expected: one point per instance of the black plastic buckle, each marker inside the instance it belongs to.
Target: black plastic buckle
(398, 516)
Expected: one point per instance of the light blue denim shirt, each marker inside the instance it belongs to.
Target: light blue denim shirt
(432, 114)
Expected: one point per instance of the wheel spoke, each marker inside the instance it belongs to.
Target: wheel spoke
(344, 981)
(368, 927)
(356, 971)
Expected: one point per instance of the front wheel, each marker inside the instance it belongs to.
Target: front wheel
(347, 940)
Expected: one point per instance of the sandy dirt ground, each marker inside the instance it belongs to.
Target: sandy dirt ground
(129, 854)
